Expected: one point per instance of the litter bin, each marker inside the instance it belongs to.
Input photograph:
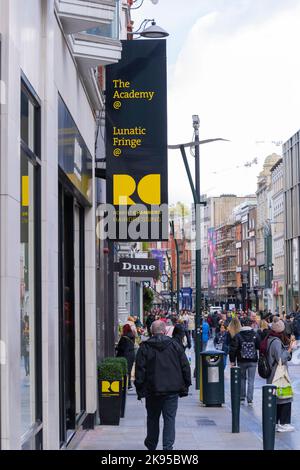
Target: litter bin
(212, 378)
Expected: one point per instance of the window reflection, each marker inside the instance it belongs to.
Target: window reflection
(73, 155)
(28, 116)
(27, 295)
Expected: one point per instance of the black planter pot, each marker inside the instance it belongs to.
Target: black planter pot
(124, 395)
(110, 400)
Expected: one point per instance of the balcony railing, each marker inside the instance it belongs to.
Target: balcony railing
(229, 254)
(80, 15)
(226, 239)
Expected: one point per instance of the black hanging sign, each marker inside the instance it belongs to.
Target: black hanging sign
(136, 141)
(138, 267)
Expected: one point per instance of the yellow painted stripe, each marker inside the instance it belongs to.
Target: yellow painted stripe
(25, 190)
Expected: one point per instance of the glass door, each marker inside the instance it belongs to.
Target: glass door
(71, 316)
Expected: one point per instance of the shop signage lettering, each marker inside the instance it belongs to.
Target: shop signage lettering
(138, 267)
(136, 139)
(135, 267)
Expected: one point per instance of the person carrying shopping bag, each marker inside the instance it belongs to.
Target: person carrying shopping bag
(279, 352)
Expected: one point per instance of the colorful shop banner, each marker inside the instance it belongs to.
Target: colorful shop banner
(212, 263)
(136, 141)
(159, 255)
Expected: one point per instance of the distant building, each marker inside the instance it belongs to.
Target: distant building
(277, 226)
(215, 214)
(291, 168)
(246, 279)
(226, 254)
(264, 233)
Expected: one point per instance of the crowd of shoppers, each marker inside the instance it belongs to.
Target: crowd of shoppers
(162, 371)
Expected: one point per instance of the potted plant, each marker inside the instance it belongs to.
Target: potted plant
(123, 362)
(111, 373)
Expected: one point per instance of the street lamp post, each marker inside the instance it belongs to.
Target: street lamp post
(195, 188)
(198, 338)
(178, 265)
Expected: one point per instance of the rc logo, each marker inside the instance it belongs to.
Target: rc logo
(148, 189)
(110, 387)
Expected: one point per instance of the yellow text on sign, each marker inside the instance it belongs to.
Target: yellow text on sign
(25, 190)
(108, 387)
(125, 186)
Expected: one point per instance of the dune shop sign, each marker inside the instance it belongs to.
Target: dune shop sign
(136, 141)
(137, 267)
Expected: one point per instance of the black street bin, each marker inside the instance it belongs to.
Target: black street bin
(212, 378)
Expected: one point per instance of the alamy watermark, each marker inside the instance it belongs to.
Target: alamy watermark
(141, 222)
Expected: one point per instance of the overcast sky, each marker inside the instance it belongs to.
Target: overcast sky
(236, 64)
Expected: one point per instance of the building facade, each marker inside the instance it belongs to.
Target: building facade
(50, 112)
(291, 166)
(216, 213)
(264, 234)
(277, 226)
(226, 258)
(246, 288)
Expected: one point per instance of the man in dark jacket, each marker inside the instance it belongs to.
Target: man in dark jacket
(162, 374)
(243, 349)
(289, 325)
(296, 325)
(149, 321)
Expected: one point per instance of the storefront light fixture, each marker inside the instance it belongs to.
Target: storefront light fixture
(152, 32)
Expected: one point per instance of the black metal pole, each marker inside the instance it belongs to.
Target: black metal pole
(198, 348)
(235, 389)
(178, 265)
(171, 281)
(178, 275)
(197, 202)
(196, 198)
(269, 405)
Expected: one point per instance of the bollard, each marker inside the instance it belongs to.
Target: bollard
(269, 405)
(235, 383)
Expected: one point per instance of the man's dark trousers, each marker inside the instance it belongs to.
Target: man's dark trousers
(167, 406)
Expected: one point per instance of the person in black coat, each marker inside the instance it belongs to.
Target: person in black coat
(149, 321)
(181, 335)
(222, 342)
(289, 325)
(162, 374)
(125, 349)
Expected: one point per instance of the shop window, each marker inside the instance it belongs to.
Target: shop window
(30, 262)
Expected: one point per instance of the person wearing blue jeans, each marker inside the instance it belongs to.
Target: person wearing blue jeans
(248, 370)
(162, 374)
(243, 350)
(167, 406)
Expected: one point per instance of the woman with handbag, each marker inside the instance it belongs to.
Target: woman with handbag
(279, 353)
(126, 348)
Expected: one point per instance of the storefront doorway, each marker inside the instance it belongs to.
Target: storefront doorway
(71, 314)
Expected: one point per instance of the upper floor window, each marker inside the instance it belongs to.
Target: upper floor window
(30, 122)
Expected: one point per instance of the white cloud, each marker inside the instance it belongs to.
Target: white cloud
(243, 81)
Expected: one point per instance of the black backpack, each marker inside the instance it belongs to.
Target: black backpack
(263, 367)
(248, 349)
